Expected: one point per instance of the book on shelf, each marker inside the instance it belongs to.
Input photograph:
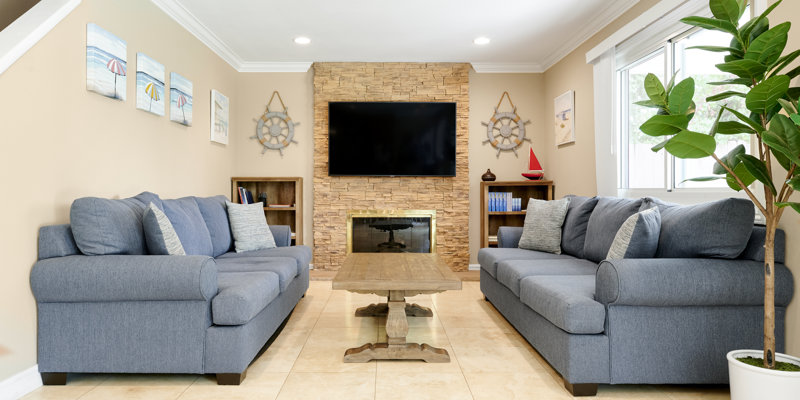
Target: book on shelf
(280, 205)
(242, 195)
(501, 202)
(249, 196)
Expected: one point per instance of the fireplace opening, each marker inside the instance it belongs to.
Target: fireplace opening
(391, 231)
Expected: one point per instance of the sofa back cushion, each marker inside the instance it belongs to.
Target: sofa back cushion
(106, 226)
(573, 232)
(185, 216)
(718, 229)
(216, 218)
(608, 216)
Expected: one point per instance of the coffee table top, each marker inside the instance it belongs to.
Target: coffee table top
(395, 271)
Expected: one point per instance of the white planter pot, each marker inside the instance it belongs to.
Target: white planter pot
(749, 382)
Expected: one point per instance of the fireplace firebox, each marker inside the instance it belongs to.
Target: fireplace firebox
(391, 231)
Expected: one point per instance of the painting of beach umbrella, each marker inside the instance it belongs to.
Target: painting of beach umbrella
(106, 63)
(180, 99)
(149, 85)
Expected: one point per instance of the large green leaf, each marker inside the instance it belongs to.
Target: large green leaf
(680, 97)
(655, 89)
(746, 177)
(703, 179)
(712, 24)
(795, 119)
(662, 125)
(794, 183)
(659, 146)
(649, 104)
(731, 160)
(749, 69)
(784, 61)
(735, 81)
(759, 170)
(725, 95)
(783, 136)
(782, 159)
(764, 96)
(727, 10)
(767, 48)
(793, 73)
(733, 128)
(688, 144)
(795, 206)
(788, 106)
(747, 120)
(756, 26)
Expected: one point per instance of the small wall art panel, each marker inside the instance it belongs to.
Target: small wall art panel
(106, 63)
(180, 99)
(149, 85)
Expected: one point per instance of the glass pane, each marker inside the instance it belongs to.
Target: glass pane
(701, 66)
(645, 169)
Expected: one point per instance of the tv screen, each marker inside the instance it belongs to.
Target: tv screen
(391, 139)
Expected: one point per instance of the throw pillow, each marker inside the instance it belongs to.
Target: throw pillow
(638, 236)
(249, 227)
(186, 218)
(608, 215)
(573, 232)
(159, 233)
(542, 228)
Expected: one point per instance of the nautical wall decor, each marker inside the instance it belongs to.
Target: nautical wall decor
(504, 130)
(275, 129)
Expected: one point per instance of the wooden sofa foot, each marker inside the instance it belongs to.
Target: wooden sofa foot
(54, 378)
(231, 379)
(581, 389)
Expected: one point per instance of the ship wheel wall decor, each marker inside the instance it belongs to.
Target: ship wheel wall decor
(504, 130)
(275, 129)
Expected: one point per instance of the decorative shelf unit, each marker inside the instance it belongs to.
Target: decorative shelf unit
(286, 191)
(491, 221)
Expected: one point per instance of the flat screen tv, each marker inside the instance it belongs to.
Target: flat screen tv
(391, 139)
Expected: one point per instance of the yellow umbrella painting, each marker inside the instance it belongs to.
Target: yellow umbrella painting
(151, 91)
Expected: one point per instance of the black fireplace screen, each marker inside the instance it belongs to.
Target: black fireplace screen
(391, 235)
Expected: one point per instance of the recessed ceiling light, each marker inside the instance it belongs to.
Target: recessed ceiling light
(302, 40)
(480, 41)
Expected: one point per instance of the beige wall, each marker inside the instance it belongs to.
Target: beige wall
(253, 93)
(10, 10)
(527, 93)
(61, 142)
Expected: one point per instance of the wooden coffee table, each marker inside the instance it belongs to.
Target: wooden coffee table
(396, 276)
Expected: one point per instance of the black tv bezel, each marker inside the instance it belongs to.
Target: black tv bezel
(455, 148)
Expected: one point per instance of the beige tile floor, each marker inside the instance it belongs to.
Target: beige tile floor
(489, 360)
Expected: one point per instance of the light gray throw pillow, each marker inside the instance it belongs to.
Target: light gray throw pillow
(160, 234)
(542, 228)
(249, 227)
(638, 236)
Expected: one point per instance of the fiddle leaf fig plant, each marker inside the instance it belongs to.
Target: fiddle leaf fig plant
(755, 57)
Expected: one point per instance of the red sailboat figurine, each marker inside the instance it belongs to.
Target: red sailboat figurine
(536, 171)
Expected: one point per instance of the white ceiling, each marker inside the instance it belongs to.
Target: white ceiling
(526, 35)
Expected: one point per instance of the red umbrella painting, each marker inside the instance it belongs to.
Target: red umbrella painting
(118, 69)
(180, 103)
(151, 91)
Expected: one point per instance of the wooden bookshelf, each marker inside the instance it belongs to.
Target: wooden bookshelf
(491, 221)
(279, 191)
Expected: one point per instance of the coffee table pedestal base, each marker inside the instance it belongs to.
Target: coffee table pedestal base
(385, 351)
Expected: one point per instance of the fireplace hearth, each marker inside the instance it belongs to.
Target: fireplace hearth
(391, 231)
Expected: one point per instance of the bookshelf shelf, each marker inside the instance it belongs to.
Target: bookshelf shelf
(491, 221)
(506, 212)
(285, 190)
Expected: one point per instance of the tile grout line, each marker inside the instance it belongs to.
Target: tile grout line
(460, 367)
(187, 388)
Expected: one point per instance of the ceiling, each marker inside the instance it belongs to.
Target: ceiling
(526, 35)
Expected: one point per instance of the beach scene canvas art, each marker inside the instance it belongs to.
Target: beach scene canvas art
(180, 99)
(106, 63)
(149, 85)
(565, 118)
(220, 111)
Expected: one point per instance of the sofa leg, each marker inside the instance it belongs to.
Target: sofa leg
(231, 379)
(54, 378)
(581, 389)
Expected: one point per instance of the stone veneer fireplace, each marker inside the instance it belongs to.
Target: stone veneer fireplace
(334, 196)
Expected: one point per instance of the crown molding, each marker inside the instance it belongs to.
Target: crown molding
(590, 29)
(301, 66)
(507, 68)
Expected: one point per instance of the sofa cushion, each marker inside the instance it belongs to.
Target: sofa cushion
(719, 229)
(284, 267)
(638, 236)
(566, 301)
(300, 253)
(215, 216)
(510, 272)
(106, 226)
(542, 228)
(490, 257)
(159, 233)
(607, 217)
(249, 227)
(573, 232)
(242, 295)
(189, 225)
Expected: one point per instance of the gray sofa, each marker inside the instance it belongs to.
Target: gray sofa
(120, 310)
(665, 320)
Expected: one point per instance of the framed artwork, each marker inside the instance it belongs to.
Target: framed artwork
(565, 118)
(220, 115)
(180, 99)
(149, 85)
(106, 63)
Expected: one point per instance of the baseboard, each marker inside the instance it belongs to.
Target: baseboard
(20, 384)
(474, 267)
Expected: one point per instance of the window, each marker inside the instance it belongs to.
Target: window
(640, 167)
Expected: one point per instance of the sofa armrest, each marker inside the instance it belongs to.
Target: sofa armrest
(661, 282)
(508, 236)
(124, 278)
(282, 235)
